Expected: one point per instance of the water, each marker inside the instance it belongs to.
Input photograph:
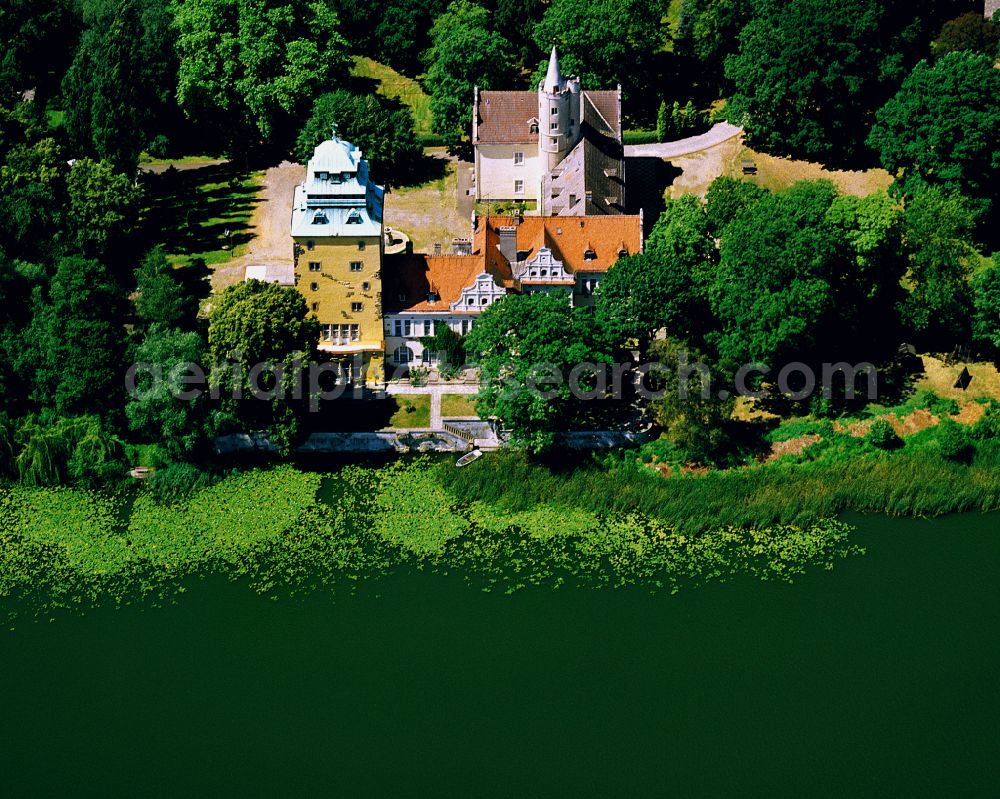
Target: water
(879, 678)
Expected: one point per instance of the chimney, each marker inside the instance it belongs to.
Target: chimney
(508, 243)
(437, 248)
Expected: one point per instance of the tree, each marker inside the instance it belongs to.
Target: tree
(605, 42)
(448, 345)
(971, 32)
(260, 338)
(36, 40)
(101, 89)
(385, 134)
(103, 205)
(250, 67)
(937, 229)
(517, 20)
(727, 198)
(666, 286)
(776, 290)
(160, 298)
(157, 411)
(80, 448)
(940, 128)
(709, 30)
(689, 409)
(986, 307)
(809, 74)
(32, 197)
(76, 341)
(464, 54)
(527, 348)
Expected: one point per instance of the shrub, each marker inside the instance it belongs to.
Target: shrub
(418, 376)
(954, 442)
(883, 435)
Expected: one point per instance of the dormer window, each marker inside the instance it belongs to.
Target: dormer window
(432, 296)
(590, 255)
(533, 127)
(401, 296)
(322, 176)
(354, 218)
(623, 253)
(320, 219)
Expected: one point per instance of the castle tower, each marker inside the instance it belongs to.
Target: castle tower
(558, 114)
(338, 245)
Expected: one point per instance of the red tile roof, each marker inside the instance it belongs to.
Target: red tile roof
(505, 117)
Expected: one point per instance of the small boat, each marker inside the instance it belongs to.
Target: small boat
(465, 460)
(142, 472)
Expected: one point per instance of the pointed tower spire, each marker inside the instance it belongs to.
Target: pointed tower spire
(553, 80)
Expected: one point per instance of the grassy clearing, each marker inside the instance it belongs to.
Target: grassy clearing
(189, 212)
(778, 174)
(458, 405)
(428, 212)
(391, 84)
(414, 411)
(146, 160)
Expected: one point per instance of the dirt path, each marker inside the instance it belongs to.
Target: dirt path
(270, 226)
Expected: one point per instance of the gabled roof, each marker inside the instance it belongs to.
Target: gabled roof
(570, 238)
(505, 117)
(407, 280)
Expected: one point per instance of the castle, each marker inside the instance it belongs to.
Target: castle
(558, 150)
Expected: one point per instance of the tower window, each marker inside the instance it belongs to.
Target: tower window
(315, 307)
(310, 245)
(357, 307)
(314, 286)
(553, 126)
(555, 112)
(357, 266)
(361, 246)
(314, 266)
(366, 286)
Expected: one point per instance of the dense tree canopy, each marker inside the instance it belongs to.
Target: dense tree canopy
(527, 348)
(941, 128)
(605, 42)
(75, 344)
(465, 53)
(251, 66)
(986, 307)
(260, 339)
(971, 32)
(370, 122)
(810, 74)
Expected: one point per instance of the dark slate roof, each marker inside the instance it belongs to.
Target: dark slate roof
(505, 117)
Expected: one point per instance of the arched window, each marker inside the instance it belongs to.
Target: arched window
(403, 355)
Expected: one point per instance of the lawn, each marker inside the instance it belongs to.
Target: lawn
(777, 174)
(391, 84)
(414, 411)
(458, 405)
(190, 212)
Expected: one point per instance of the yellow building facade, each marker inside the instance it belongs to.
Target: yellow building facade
(338, 238)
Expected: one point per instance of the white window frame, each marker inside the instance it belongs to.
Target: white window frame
(519, 186)
(519, 158)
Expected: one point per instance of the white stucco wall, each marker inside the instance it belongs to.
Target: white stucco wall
(497, 172)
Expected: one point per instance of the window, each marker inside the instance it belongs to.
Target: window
(355, 332)
(407, 328)
(322, 176)
(403, 355)
(361, 246)
(366, 286)
(315, 307)
(590, 255)
(320, 219)
(398, 329)
(470, 301)
(310, 245)
(314, 266)
(357, 266)
(465, 327)
(314, 287)
(555, 141)
(354, 218)
(572, 200)
(518, 187)
(555, 111)
(326, 331)
(484, 301)
(623, 253)
(553, 126)
(534, 127)
(518, 159)
(357, 307)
